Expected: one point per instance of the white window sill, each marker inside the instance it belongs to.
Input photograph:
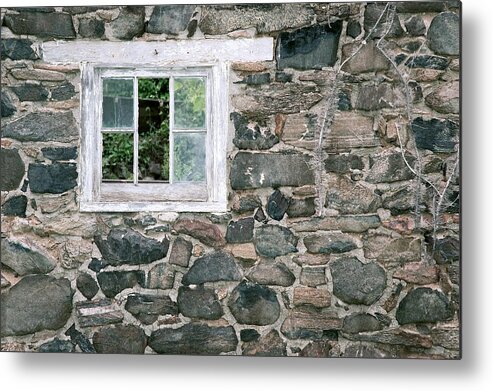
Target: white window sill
(147, 206)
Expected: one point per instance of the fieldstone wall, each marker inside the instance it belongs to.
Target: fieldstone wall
(342, 236)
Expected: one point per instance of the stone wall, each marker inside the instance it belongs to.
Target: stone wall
(340, 244)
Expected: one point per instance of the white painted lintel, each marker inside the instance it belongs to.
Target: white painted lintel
(157, 52)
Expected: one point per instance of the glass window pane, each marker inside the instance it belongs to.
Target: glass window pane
(118, 103)
(153, 129)
(118, 155)
(189, 103)
(189, 157)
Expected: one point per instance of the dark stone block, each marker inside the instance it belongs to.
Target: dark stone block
(13, 169)
(120, 339)
(80, 340)
(311, 47)
(240, 231)
(249, 335)
(357, 283)
(343, 164)
(199, 303)
(216, 266)
(353, 28)
(96, 265)
(271, 345)
(329, 243)
(301, 207)
(251, 171)
(91, 28)
(63, 92)
(390, 167)
(277, 205)
(412, 7)
(273, 240)
(358, 323)
(55, 178)
(15, 206)
(34, 304)
(148, 308)
(373, 11)
(60, 153)
(31, 92)
(378, 96)
(415, 26)
(57, 346)
(126, 246)
(435, 135)
(344, 101)
(248, 138)
(260, 216)
(7, 107)
(443, 34)
(114, 282)
(87, 285)
(254, 304)
(97, 313)
(42, 24)
(194, 338)
(129, 24)
(17, 49)
(170, 19)
(447, 250)
(180, 252)
(269, 272)
(424, 305)
(247, 203)
(257, 79)
(43, 127)
(283, 77)
(427, 61)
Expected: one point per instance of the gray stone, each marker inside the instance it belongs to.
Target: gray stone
(277, 205)
(411, 7)
(392, 251)
(373, 11)
(367, 59)
(443, 34)
(311, 325)
(343, 163)
(120, 339)
(216, 266)
(97, 313)
(63, 92)
(170, 19)
(311, 298)
(126, 246)
(445, 98)
(42, 24)
(266, 18)
(25, 259)
(447, 250)
(254, 304)
(249, 335)
(60, 153)
(271, 345)
(87, 285)
(260, 216)
(257, 79)
(207, 233)
(353, 28)
(361, 322)
(15, 206)
(31, 92)
(415, 26)
(349, 197)
(129, 24)
(424, 305)
(313, 276)
(17, 49)
(389, 166)
(435, 134)
(428, 62)
(180, 252)
(55, 178)
(36, 303)
(283, 77)
(273, 241)
(114, 282)
(148, 308)
(91, 28)
(247, 203)
(269, 272)
(59, 126)
(254, 138)
(357, 283)
(400, 200)
(57, 346)
(7, 108)
(199, 303)
(194, 338)
(240, 231)
(13, 169)
(329, 243)
(301, 207)
(160, 277)
(394, 336)
(311, 47)
(79, 339)
(256, 170)
(344, 223)
(378, 96)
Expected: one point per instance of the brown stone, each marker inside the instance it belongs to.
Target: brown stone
(318, 349)
(449, 338)
(392, 252)
(348, 223)
(313, 276)
(160, 277)
(97, 313)
(280, 120)
(244, 251)
(318, 77)
(350, 130)
(395, 336)
(350, 197)
(300, 324)
(445, 98)
(64, 68)
(207, 233)
(248, 66)
(425, 74)
(367, 59)
(417, 273)
(271, 345)
(180, 252)
(319, 298)
(312, 259)
(37, 74)
(298, 127)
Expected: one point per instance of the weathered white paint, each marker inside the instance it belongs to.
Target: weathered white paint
(189, 206)
(143, 52)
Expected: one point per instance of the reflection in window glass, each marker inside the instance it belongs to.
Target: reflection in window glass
(153, 129)
(189, 157)
(118, 156)
(189, 103)
(118, 103)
